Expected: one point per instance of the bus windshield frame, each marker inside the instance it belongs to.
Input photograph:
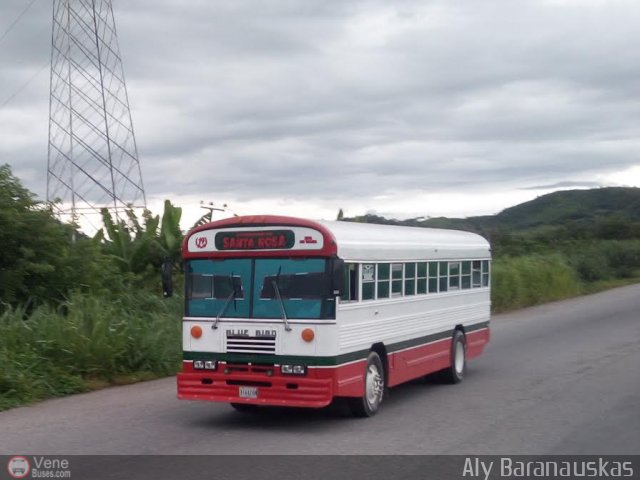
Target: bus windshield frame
(262, 286)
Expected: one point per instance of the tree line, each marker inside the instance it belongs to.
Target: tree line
(43, 260)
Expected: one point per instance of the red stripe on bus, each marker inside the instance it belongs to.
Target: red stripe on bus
(476, 341)
(415, 362)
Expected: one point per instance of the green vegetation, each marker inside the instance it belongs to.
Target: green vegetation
(87, 341)
(530, 280)
(38, 262)
(86, 313)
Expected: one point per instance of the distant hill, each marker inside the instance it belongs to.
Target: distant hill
(612, 208)
(576, 206)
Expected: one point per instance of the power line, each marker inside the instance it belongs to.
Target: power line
(23, 86)
(15, 22)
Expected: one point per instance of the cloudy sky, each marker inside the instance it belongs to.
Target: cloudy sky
(404, 108)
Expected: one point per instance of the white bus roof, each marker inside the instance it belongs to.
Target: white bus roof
(372, 242)
(353, 241)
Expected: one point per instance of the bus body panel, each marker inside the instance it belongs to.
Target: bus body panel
(311, 391)
(287, 343)
(395, 321)
(419, 361)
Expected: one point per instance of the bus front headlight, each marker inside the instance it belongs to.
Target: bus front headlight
(210, 365)
(299, 370)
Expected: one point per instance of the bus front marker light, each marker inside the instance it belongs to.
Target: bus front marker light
(308, 335)
(198, 364)
(196, 331)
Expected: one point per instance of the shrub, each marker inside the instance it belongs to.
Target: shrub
(529, 280)
(605, 259)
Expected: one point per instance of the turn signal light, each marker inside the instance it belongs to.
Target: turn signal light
(196, 331)
(308, 335)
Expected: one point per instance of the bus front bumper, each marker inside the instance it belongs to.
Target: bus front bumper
(276, 390)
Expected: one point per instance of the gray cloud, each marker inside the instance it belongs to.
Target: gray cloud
(352, 100)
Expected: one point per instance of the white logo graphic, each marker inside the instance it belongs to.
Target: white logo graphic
(18, 467)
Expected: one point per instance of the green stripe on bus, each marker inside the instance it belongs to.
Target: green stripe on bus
(278, 359)
(323, 361)
(414, 342)
(477, 326)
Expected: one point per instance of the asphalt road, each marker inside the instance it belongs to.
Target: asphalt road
(563, 378)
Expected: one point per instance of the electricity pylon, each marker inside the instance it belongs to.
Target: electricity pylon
(93, 158)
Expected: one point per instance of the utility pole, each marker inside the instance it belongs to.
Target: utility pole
(210, 206)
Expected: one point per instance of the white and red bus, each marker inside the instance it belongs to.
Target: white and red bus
(292, 312)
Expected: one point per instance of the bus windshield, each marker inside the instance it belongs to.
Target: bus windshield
(260, 288)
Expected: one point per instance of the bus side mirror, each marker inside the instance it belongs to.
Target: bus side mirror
(167, 278)
(337, 277)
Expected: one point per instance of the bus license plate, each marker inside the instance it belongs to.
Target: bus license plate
(248, 392)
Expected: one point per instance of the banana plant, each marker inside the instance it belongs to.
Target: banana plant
(119, 242)
(171, 236)
(135, 245)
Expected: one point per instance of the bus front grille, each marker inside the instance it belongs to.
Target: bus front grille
(245, 344)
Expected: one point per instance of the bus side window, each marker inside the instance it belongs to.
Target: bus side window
(477, 274)
(397, 274)
(454, 275)
(433, 277)
(465, 278)
(443, 272)
(350, 283)
(485, 273)
(409, 278)
(384, 280)
(368, 281)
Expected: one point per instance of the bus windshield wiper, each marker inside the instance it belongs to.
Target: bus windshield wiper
(279, 297)
(232, 296)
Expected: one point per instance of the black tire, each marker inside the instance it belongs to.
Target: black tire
(244, 407)
(455, 373)
(374, 382)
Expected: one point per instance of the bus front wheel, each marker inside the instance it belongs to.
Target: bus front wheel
(369, 403)
(455, 373)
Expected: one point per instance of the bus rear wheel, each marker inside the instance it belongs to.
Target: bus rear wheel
(369, 404)
(455, 373)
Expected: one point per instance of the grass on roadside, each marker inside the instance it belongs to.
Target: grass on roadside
(87, 342)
